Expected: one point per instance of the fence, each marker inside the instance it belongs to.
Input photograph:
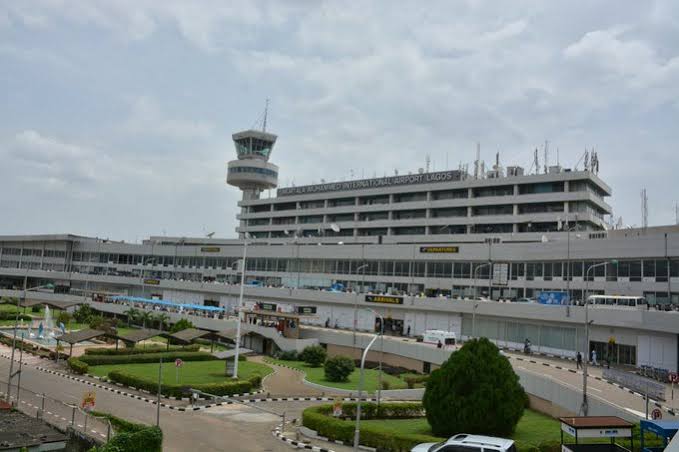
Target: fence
(640, 384)
(62, 415)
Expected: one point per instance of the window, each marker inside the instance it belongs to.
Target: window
(462, 270)
(373, 216)
(545, 187)
(341, 202)
(448, 194)
(506, 209)
(409, 214)
(410, 197)
(504, 190)
(312, 204)
(253, 170)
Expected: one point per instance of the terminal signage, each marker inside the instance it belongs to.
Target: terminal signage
(306, 310)
(409, 179)
(388, 299)
(439, 249)
(209, 249)
(271, 307)
(151, 282)
(558, 298)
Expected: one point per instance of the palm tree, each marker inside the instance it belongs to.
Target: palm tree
(162, 319)
(146, 316)
(132, 315)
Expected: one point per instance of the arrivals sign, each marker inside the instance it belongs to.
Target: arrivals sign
(409, 179)
(210, 249)
(439, 249)
(388, 299)
(151, 282)
(268, 307)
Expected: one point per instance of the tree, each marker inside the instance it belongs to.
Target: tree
(83, 314)
(338, 368)
(162, 319)
(132, 315)
(313, 355)
(181, 325)
(145, 317)
(475, 391)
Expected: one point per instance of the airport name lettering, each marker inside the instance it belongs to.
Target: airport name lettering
(410, 179)
(439, 249)
(383, 299)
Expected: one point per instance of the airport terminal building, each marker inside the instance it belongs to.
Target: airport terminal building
(418, 249)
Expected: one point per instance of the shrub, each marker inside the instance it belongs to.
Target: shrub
(83, 314)
(385, 385)
(130, 436)
(140, 351)
(77, 366)
(290, 355)
(99, 360)
(313, 355)
(338, 368)
(9, 315)
(64, 317)
(318, 418)
(181, 325)
(35, 309)
(225, 388)
(412, 380)
(9, 300)
(474, 391)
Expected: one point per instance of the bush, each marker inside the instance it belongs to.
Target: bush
(385, 385)
(77, 366)
(318, 418)
(226, 388)
(313, 355)
(412, 380)
(64, 317)
(83, 313)
(474, 391)
(290, 355)
(338, 368)
(99, 360)
(181, 325)
(35, 309)
(130, 436)
(9, 300)
(8, 315)
(140, 351)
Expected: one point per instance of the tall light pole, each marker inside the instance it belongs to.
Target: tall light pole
(568, 263)
(239, 319)
(357, 430)
(585, 406)
(476, 305)
(362, 267)
(379, 375)
(14, 338)
(476, 273)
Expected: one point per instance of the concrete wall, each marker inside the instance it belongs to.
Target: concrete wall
(389, 359)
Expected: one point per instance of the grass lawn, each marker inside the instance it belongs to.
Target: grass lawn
(192, 372)
(317, 375)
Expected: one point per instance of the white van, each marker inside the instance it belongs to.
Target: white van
(468, 443)
(434, 336)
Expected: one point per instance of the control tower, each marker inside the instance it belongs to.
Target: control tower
(252, 172)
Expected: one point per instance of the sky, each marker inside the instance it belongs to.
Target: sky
(116, 116)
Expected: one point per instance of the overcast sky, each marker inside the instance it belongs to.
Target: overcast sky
(116, 116)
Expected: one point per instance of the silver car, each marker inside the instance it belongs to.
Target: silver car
(468, 443)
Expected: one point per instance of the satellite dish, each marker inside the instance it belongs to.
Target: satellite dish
(334, 227)
(209, 235)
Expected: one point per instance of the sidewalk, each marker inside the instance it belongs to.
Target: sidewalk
(285, 381)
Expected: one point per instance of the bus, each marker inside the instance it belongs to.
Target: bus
(617, 301)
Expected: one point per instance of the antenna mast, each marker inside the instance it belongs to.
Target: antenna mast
(644, 209)
(266, 113)
(546, 162)
(477, 161)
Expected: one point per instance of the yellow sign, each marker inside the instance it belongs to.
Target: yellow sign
(89, 400)
(383, 299)
(439, 249)
(209, 249)
(152, 282)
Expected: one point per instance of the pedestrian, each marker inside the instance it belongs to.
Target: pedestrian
(439, 345)
(578, 360)
(408, 331)
(594, 363)
(327, 322)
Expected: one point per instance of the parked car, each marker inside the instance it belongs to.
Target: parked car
(524, 300)
(468, 443)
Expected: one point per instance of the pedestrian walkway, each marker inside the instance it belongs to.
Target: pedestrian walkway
(285, 381)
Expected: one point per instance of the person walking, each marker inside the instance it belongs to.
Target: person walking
(594, 363)
(439, 345)
(578, 360)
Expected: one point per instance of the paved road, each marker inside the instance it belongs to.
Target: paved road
(234, 427)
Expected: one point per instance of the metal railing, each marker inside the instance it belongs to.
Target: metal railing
(64, 416)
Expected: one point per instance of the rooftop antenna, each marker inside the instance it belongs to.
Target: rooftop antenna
(477, 161)
(644, 209)
(266, 114)
(447, 161)
(536, 161)
(557, 157)
(427, 162)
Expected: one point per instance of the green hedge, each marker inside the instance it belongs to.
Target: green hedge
(9, 315)
(131, 437)
(140, 351)
(77, 366)
(99, 360)
(172, 390)
(412, 380)
(318, 418)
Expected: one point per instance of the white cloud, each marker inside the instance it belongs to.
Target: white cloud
(147, 119)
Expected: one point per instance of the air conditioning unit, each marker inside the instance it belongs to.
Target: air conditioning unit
(513, 171)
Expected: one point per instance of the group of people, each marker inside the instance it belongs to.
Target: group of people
(593, 360)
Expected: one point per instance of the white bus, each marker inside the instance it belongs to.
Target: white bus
(436, 336)
(617, 301)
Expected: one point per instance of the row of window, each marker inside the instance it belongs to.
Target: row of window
(32, 252)
(478, 192)
(253, 170)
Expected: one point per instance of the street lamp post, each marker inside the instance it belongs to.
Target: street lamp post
(568, 263)
(362, 267)
(357, 431)
(476, 305)
(239, 320)
(379, 375)
(476, 273)
(14, 338)
(585, 406)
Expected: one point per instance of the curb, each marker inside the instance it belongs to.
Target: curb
(278, 433)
